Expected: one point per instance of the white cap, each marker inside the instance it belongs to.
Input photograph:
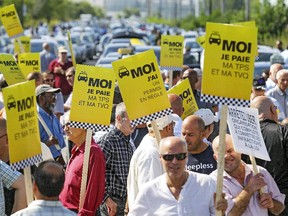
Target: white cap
(164, 121)
(207, 116)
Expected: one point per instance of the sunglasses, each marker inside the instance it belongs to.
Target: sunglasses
(170, 157)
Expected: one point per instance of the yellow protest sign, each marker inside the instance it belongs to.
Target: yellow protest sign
(184, 90)
(22, 124)
(71, 49)
(171, 56)
(93, 92)
(141, 85)
(29, 62)
(229, 60)
(11, 21)
(201, 41)
(25, 42)
(10, 69)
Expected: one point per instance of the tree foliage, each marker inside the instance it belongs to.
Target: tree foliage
(48, 10)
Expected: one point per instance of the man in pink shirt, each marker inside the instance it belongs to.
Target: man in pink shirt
(58, 67)
(242, 186)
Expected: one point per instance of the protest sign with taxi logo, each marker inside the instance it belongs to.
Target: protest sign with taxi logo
(230, 51)
(11, 21)
(10, 69)
(25, 42)
(22, 124)
(93, 93)
(171, 57)
(184, 90)
(246, 133)
(142, 87)
(29, 62)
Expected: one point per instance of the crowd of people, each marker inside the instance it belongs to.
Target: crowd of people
(131, 171)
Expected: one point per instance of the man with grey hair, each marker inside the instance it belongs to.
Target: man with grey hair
(279, 92)
(118, 151)
(271, 81)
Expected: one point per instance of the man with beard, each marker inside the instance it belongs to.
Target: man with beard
(200, 154)
(45, 97)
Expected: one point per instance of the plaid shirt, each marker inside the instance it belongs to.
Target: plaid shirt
(7, 179)
(118, 152)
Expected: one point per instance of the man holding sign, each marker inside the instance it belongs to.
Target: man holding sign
(241, 185)
(45, 97)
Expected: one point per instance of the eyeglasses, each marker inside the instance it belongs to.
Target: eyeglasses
(170, 157)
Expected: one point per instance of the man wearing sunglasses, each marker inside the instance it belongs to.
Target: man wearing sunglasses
(145, 164)
(177, 192)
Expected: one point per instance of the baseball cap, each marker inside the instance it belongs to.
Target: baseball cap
(164, 121)
(45, 88)
(62, 49)
(207, 116)
(259, 83)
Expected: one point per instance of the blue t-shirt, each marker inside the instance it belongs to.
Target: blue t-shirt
(202, 162)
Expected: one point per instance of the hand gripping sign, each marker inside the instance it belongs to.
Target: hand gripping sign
(171, 52)
(184, 90)
(142, 87)
(22, 129)
(91, 108)
(11, 21)
(10, 69)
(228, 72)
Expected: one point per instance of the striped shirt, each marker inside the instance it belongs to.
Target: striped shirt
(7, 179)
(118, 152)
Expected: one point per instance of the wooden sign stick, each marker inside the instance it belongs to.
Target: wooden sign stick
(255, 169)
(156, 131)
(85, 167)
(221, 155)
(28, 185)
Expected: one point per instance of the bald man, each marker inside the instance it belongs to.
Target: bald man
(200, 154)
(242, 186)
(177, 107)
(276, 140)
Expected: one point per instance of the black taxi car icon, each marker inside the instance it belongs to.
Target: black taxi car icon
(215, 38)
(11, 103)
(82, 76)
(123, 71)
(165, 41)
